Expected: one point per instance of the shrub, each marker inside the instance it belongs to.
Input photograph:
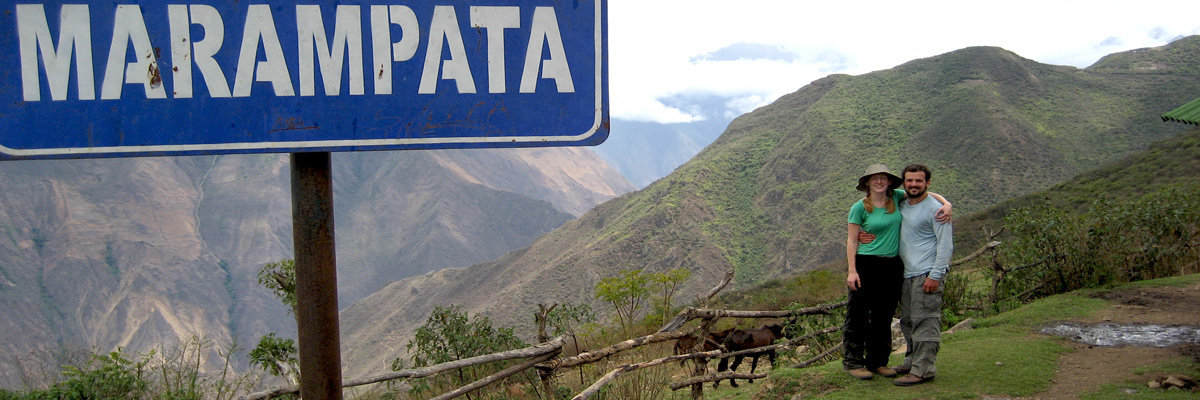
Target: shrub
(1146, 238)
(449, 334)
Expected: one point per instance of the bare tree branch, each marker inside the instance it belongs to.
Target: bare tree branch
(596, 355)
(683, 317)
(611, 375)
(825, 331)
(697, 313)
(717, 289)
(977, 253)
(699, 354)
(272, 393)
(713, 378)
(507, 372)
(824, 354)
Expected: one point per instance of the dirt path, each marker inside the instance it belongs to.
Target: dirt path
(1087, 368)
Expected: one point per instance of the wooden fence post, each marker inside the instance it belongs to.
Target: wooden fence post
(997, 279)
(546, 376)
(701, 364)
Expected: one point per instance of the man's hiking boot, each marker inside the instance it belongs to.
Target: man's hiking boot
(903, 369)
(910, 379)
(860, 373)
(885, 371)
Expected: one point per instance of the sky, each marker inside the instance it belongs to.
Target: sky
(753, 51)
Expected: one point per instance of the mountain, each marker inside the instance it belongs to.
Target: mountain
(454, 208)
(127, 271)
(141, 253)
(769, 197)
(646, 151)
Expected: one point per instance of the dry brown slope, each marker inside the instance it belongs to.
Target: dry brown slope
(140, 253)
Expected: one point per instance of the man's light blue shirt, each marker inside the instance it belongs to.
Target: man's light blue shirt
(925, 243)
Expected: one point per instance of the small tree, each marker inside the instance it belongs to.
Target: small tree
(567, 317)
(277, 356)
(666, 284)
(626, 293)
(280, 278)
(448, 335)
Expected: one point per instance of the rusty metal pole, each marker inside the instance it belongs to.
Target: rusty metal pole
(316, 277)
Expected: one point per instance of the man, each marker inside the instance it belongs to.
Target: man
(925, 248)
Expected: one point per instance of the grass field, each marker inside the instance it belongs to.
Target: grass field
(1002, 357)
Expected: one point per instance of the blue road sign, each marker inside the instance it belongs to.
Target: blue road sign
(120, 78)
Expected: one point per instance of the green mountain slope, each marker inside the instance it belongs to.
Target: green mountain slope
(990, 124)
(769, 197)
(1169, 162)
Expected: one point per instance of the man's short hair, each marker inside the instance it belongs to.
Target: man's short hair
(918, 168)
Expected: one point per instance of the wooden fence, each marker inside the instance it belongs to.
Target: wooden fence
(544, 356)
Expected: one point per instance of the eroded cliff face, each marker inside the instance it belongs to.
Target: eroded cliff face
(105, 254)
(144, 253)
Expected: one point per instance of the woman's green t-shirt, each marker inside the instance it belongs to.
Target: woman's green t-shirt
(885, 227)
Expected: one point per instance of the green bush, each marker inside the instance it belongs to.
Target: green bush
(277, 356)
(450, 334)
(173, 373)
(1110, 242)
(109, 376)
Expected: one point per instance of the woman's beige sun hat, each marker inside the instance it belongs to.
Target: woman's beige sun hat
(875, 169)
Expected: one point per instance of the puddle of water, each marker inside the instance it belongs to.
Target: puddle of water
(1111, 334)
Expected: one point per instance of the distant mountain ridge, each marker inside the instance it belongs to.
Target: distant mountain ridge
(141, 253)
(769, 196)
(647, 151)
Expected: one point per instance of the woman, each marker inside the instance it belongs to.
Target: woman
(874, 273)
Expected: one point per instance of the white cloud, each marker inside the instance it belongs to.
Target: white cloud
(651, 109)
(744, 104)
(747, 51)
(766, 48)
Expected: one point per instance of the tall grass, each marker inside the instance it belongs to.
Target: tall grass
(175, 372)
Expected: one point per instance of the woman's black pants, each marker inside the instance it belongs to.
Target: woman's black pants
(867, 334)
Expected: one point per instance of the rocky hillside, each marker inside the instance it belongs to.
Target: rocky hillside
(140, 253)
(769, 197)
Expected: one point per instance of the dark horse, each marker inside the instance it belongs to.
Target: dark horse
(745, 339)
(712, 342)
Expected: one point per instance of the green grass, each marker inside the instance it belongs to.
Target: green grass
(1001, 357)
(1174, 281)
(1061, 307)
(1004, 359)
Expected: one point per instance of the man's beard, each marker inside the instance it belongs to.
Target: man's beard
(918, 194)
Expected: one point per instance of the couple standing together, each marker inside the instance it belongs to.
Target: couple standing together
(898, 249)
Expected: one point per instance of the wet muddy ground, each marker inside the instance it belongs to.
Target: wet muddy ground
(1175, 311)
(1122, 334)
